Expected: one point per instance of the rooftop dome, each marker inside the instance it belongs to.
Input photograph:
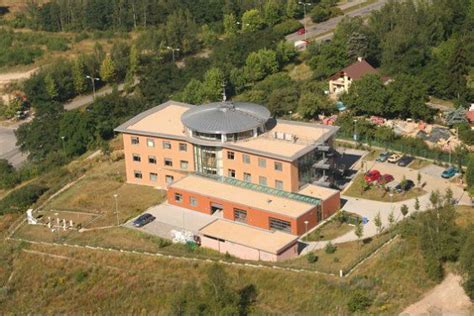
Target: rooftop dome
(225, 117)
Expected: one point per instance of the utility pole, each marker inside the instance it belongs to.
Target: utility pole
(93, 80)
(304, 4)
(172, 51)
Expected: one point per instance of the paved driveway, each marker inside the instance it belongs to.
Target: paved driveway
(170, 217)
(8, 149)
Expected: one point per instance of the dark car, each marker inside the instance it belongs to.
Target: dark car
(143, 219)
(404, 186)
(405, 161)
(383, 156)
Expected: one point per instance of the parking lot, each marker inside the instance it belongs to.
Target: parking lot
(170, 217)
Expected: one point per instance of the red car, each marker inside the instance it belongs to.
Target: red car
(372, 175)
(301, 31)
(386, 178)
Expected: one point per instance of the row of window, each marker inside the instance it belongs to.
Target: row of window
(152, 176)
(262, 162)
(231, 173)
(183, 164)
(150, 142)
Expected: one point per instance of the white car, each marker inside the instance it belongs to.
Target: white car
(394, 158)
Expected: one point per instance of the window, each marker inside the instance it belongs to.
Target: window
(152, 160)
(168, 162)
(240, 215)
(278, 166)
(153, 176)
(136, 157)
(231, 173)
(193, 201)
(183, 164)
(246, 158)
(247, 177)
(137, 174)
(262, 180)
(262, 163)
(230, 155)
(278, 184)
(178, 197)
(166, 145)
(135, 140)
(150, 142)
(183, 147)
(278, 224)
(169, 179)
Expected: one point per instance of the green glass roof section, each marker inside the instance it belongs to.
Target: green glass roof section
(263, 189)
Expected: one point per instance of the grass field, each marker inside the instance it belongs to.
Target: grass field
(329, 231)
(377, 193)
(417, 164)
(465, 215)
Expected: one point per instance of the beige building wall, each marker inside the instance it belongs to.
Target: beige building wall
(288, 174)
(144, 150)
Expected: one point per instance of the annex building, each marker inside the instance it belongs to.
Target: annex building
(232, 160)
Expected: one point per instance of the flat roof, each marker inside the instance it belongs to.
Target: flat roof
(268, 241)
(318, 191)
(165, 121)
(234, 194)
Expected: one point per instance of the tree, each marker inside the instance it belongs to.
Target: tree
(230, 25)
(260, 64)
(466, 260)
(391, 219)
(213, 84)
(404, 210)
(252, 20)
(434, 199)
(312, 104)
(378, 223)
(359, 230)
(50, 85)
(193, 93)
(367, 96)
(458, 69)
(79, 76)
(417, 204)
(407, 96)
(271, 12)
(133, 60)
(283, 101)
(291, 8)
(8, 175)
(107, 69)
(470, 171)
(285, 52)
(418, 178)
(320, 13)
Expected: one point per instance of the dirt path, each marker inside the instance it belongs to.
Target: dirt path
(14, 76)
(447, 298)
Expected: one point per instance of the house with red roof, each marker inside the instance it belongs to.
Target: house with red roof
(341, 81)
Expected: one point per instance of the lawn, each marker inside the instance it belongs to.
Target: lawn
(95, 194)
(299, 72)
(329, 231)
(377, 193)
(418, 164)
(465, 215)
(373, 154)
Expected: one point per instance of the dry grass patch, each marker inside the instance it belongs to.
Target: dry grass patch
(378, 193)
(465, 215)
(300, 72)
(418, 164)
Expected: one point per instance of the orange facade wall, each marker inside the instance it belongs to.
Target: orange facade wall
(331, 205)
(288, 175)
(144, 151)
(255, 217)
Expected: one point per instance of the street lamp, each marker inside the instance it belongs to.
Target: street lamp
(93, 80)
(64, 146)
(116, 208)
(172, 50)
(304, 4)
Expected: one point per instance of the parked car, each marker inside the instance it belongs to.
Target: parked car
(301, 31)
(372, 175)
(383, 156)
(450, 172)
(394, 158)
(143, 219)
(404, 186)
(386, 178)
(405, 161)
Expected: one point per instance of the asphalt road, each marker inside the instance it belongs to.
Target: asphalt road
(8, 149)
(326, 27)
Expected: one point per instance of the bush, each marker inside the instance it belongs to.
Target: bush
(8, 175)
(311, 257)
(359, 302)
(20, 199)
(330, 248)
(80, 276)
(320, 14)
(287, 27)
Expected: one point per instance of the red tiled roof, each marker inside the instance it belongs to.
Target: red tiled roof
(470, 116)
(355, 71)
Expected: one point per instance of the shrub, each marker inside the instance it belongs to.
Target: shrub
(287, 27)
(330, 248)
(20, 199)
(358, 302)
(80, 276)
(311, 257)
(8, 175)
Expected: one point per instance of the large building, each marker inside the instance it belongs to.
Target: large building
(232, 160)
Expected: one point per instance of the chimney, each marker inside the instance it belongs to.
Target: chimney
(359, 59)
